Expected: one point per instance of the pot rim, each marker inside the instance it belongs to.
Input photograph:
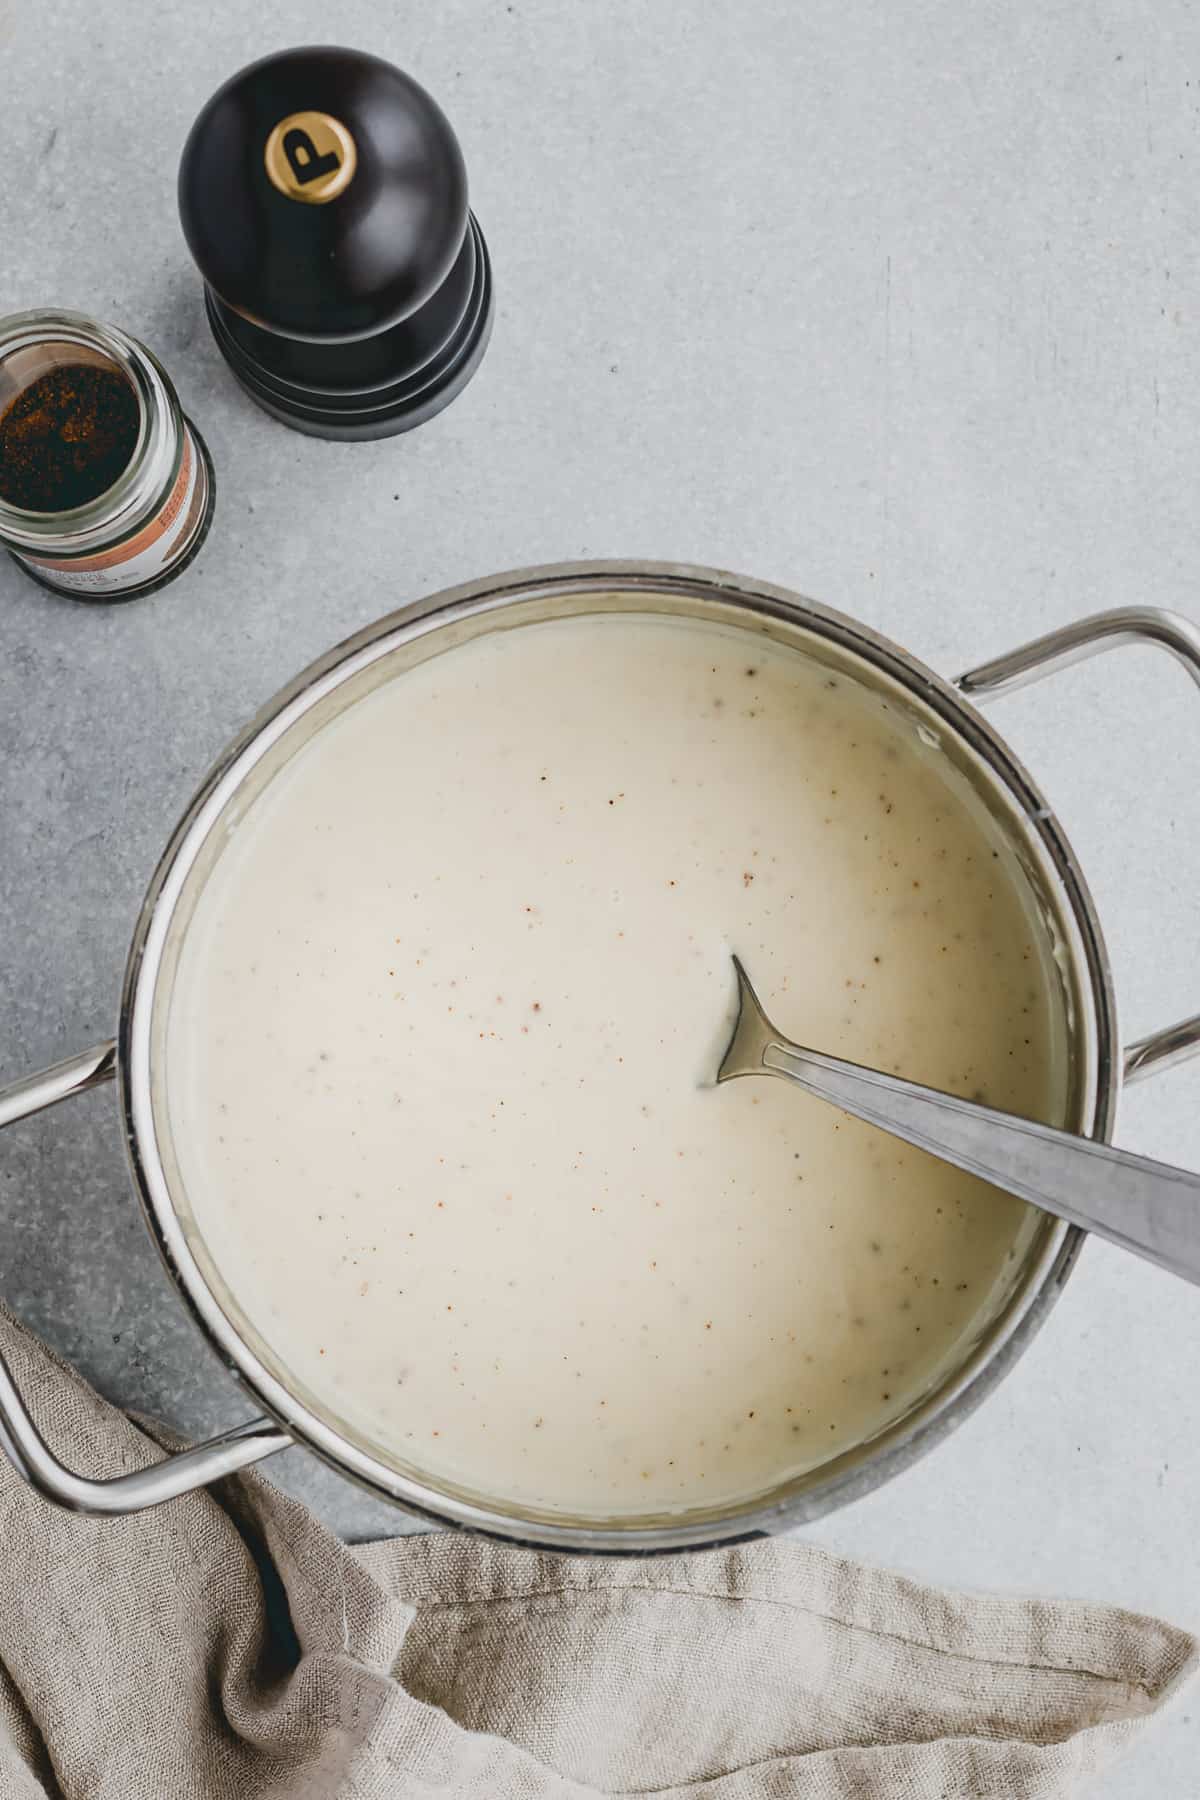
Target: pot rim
(857, 1471)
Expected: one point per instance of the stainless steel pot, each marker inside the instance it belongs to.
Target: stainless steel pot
(383, 650)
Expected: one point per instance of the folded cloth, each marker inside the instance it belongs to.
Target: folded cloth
(226, 1645)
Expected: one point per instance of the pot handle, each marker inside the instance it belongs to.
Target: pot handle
(1058, 650)
(20, 1438)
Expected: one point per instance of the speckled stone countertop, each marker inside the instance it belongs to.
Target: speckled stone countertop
(893, 304)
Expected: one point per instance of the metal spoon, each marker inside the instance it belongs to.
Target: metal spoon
(1147, 1207)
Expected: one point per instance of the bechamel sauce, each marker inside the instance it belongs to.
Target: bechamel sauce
(441, 1036)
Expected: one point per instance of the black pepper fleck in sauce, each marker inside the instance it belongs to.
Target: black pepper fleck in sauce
(67, 438)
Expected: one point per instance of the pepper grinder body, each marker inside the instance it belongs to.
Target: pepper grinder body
(323, 196)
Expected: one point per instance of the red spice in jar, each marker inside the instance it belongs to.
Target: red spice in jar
(67, 437)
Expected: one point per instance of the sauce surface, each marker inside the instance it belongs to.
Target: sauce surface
(443, 1035)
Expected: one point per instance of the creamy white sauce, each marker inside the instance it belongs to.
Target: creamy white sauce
(443, 1036)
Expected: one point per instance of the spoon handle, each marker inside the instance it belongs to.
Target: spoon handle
(1145, 1206)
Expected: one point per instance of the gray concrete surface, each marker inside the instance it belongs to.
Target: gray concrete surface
(893, 303)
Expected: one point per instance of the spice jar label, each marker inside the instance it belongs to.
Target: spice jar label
(139, 558)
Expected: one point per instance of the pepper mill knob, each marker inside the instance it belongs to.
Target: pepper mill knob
(323, 196)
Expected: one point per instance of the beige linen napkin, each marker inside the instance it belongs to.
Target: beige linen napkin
(225, 1645)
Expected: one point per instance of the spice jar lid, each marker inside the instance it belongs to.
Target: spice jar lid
(323, 196)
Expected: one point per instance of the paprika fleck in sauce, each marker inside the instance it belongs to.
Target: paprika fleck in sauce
(65, 440)
(106, 488)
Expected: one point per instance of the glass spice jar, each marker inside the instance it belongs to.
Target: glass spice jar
(106, 488)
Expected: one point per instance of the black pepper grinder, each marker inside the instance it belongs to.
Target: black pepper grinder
(324, 197)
